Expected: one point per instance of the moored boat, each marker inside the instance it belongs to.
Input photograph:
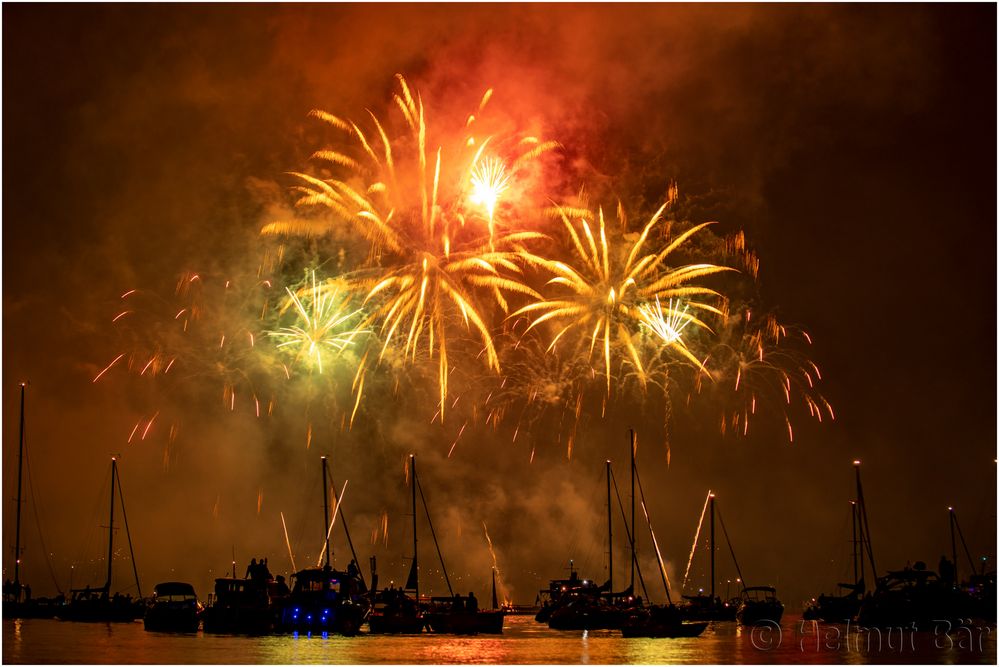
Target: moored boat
(243, 606)
(760, 605)
(661, 621)
(98, 604)
(174, 607)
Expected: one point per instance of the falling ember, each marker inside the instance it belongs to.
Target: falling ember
(260, 500)
(455, 443)
(116, 359)
(149, 426)
(134, 429)
(121, 315)
(215, 507)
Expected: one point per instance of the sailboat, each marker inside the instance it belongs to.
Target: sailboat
(455, 614)
(98, 604)
(844, 607)
(17, 600)
(589, 607)
(323, 599)
(656, 621)
(393, 610)
(709, 607)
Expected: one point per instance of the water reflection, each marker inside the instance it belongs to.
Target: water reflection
(523, 642)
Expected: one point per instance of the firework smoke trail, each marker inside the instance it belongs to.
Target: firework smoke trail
(431, 268)
(697, 534)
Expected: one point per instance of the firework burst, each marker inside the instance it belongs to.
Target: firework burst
(609, 292)
(323, 315)
(434, 274)
(759, 362)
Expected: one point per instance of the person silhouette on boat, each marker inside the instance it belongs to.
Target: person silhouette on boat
(251, 569)
(473, 604)
(282, 587)
(263, 573)
(352, 570)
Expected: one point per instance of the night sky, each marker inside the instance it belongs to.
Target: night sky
(855, 146)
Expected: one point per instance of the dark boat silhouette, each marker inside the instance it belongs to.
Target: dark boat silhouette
(581, 605)
(913, 597)
(324, 599)
(174, 607)
(709, 607)
(17, 600)
(455, 614)
(98, 604)
(655, 621)
(550, 597)
(243, 606)
(759, 605)
(843, 608)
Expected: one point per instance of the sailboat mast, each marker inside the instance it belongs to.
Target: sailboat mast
(865, 526)
(326, 513)
(114, 473)
(953, 543)
(416, 565)
(17, 538)
(633, 531)
(610, 535)
(853, 519)
(711, 501)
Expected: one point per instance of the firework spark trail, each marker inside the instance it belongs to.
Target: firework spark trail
(337, 504)
(759, 360)
(291, 556)
(697, 534)
(499, 575)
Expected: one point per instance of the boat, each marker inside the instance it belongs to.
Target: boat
(913, 597)
(661, 621)
(582, 605)
(843, 608)
(98, 604)
(17, 599)
(759, 605)
(549, 598)
(174, 607)
(657, 621)
(324, 599)
(455, 614)
(394, 612)
(247, 606)
(709, 607)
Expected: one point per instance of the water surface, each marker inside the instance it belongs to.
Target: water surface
(36, 641)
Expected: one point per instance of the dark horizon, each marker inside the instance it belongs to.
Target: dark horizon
(853, 144)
